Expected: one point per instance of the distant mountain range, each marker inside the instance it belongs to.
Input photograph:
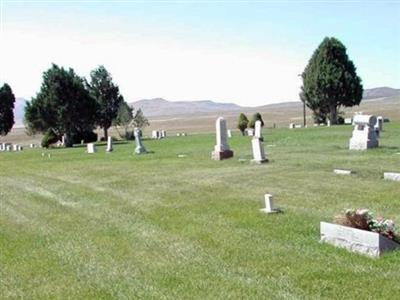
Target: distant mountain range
(161, 107)
(380, 92)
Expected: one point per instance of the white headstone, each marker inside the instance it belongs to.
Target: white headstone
(348, 121)
(91, 148)
(328, 123)
(250, 132)
(258, 151)
(364, 136)
(342, 172)
(109, 144)
(140, 149)
(15, 147)
(229, 133)
(378, 127)
(221, 149)
(154, 134)
(391, 176)
(8, 147)
(258, 130)
(269, 205)
(291, 125)
(297, 126)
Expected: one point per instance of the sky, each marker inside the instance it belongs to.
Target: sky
(247, 52)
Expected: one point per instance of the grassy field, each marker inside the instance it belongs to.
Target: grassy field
(120, 226)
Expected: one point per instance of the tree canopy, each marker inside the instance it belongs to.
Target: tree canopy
(330, 81)
(107, 96)
(7, 101)
(62, 105)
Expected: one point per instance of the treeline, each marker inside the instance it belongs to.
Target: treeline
(69, 106)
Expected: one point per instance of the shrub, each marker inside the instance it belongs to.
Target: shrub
(49, 138)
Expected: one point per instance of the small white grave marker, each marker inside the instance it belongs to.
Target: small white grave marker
(91, 148)
(342, 172)
(269, 205)
(391, 176)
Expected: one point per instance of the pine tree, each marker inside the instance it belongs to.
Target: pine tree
(242, 123)
(107, 96)
(7, 100)
(330, 81)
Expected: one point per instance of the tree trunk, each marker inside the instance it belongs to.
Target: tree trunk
(105, 133)
(333, 113)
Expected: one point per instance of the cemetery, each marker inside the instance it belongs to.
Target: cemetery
(175, 215)
(199, 150)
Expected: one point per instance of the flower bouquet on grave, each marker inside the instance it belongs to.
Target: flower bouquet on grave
(364, 219)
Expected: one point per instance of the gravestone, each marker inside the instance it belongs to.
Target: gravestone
(269, 205)
(178, 134)
(2, 146)
(91, 148)
(391, 176)
(229, 133)
(378, 125)
(356, 240)
(349, 121)
(140, 149)
(297, 126)
(109, 144)
(63, 141)
(342, 172)
(328, 123)
(291, 126)
(8, 147)
(250, 132)
(163, 134)
(154, 134)
(364, 136)
(221, 149)
(15, 147)
(258, 130)
(258, 146)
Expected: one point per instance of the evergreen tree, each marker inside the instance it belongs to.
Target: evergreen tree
(62, 105)
(124, 119)
(256, 117)
(330, 81)
(139, 120)
(242, 123)
(107, 96)
(7, 101)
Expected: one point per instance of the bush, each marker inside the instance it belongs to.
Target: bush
(49, 138)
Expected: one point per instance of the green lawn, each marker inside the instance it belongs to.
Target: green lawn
(120, 226)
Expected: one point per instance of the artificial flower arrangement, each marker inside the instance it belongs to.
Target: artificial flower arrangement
(364, 219)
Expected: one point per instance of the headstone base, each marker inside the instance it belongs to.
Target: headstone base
(355, 240)
(362, 145)
(220, 155)
(259, 162)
